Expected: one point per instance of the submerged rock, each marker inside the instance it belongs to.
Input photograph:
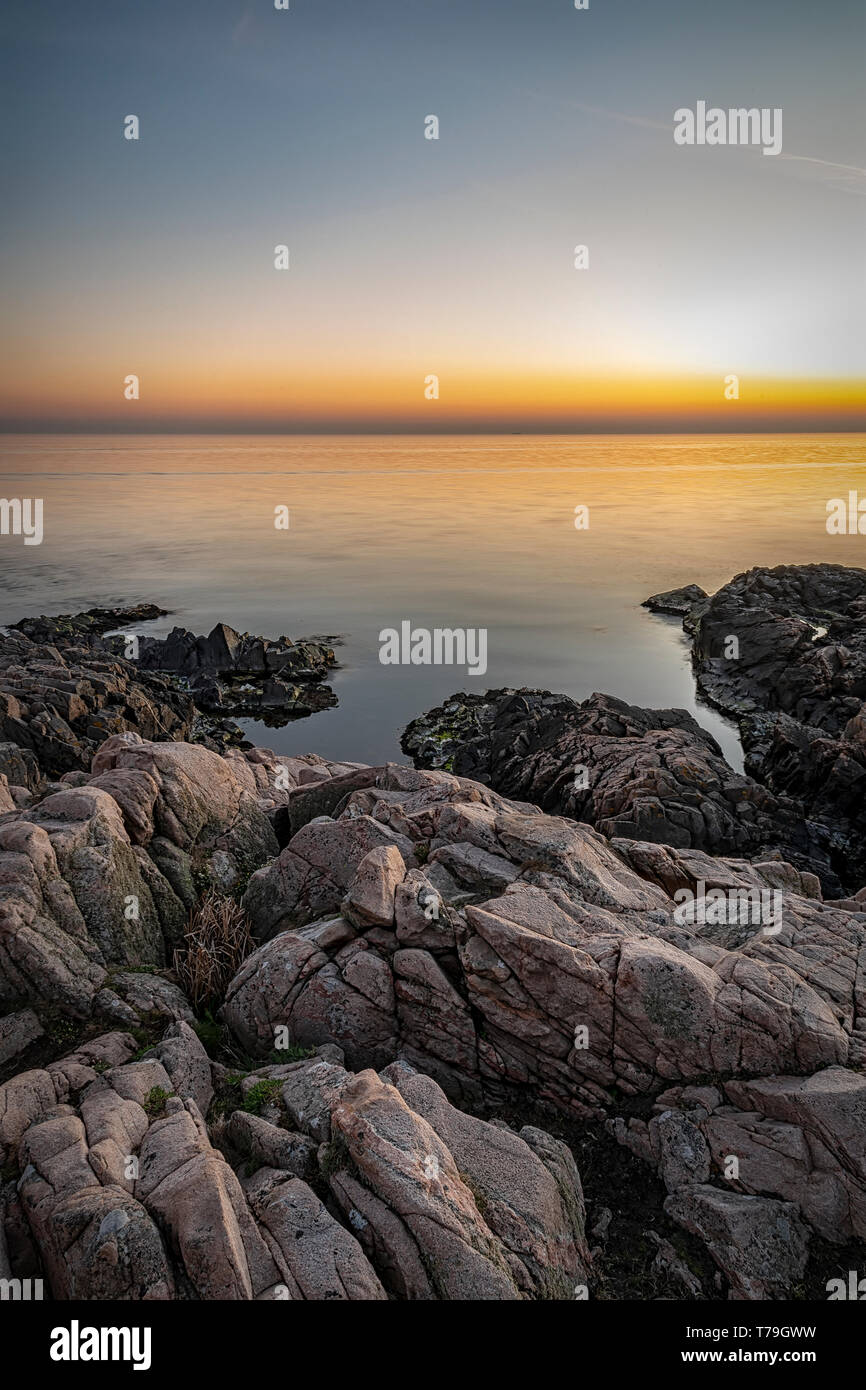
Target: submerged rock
(676, 602)
(85, 628)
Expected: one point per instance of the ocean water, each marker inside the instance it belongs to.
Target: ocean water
(443, 531)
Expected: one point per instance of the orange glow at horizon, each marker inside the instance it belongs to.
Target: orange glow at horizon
(468, 398)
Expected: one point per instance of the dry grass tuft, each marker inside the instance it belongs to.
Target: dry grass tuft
(216, 942)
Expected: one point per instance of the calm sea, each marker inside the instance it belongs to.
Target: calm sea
(444, 531)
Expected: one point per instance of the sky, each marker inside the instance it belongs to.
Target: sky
(413, 258)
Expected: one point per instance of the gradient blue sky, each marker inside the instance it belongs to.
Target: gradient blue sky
(409, 256)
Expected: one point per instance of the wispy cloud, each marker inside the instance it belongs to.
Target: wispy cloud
(643, 121)
(244, 24)
(621, 116)
(845, 178)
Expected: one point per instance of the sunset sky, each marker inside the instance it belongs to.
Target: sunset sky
(412, 257)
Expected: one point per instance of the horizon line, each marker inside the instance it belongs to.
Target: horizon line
(350, 431)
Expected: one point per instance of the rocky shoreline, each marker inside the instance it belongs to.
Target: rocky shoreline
(796, 688)
(475, 1047)
(795, 682)
(67, 683)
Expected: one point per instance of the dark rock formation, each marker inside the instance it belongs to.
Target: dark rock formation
(651, 775)
(66, 686)
(234, 673)
(85, 629)
(783, 651)
(676, 602)
(58, 703)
